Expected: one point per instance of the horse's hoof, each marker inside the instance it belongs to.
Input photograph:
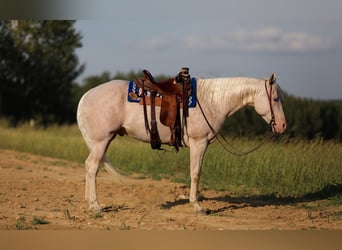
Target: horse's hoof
(202, 212)
(95, 208)
(199, 210)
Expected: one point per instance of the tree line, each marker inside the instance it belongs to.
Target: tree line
(39, 68)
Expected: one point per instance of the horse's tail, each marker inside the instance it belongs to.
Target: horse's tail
(113, 171)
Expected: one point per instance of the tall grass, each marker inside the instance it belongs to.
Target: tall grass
(285, 168)
(61, 142)
(294, 168)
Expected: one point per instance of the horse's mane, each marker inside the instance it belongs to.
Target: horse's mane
(220, 90)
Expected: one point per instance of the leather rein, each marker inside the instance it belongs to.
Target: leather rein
(233, 150)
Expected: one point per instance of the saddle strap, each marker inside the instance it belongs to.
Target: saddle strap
(178, 130)
(147, 127)
(187, 88)
(154, 134)
(155, 139)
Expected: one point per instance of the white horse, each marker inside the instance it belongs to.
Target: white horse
(104, 112)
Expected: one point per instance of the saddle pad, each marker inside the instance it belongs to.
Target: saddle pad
(135, 96)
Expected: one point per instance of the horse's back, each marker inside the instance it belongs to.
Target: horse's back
(114, 88)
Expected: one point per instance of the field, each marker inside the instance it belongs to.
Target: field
(286, 184)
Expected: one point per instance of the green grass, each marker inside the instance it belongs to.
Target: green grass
(63, 142)
(39, 221)
(21, 223)
(286, 168)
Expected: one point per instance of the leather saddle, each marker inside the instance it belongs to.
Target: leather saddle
(175, 92)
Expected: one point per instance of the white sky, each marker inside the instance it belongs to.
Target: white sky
(300, 40)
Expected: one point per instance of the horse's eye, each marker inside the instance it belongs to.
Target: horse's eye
(276, 99)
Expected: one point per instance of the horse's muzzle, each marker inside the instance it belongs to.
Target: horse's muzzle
(278, 128)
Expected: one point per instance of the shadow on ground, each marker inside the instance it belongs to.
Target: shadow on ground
(329, 191)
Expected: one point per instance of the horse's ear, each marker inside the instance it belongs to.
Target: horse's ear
(272, 79)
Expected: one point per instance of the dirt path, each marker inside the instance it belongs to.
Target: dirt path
(36, 189)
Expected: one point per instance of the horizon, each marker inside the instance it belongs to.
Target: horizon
(301, 41)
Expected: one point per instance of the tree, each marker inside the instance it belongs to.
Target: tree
(329, 114)
(38, 65)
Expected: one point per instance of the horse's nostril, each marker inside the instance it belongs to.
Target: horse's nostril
(284, 125)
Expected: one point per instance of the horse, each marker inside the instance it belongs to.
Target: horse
(103, 113)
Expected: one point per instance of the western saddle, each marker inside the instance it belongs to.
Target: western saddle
(174, 96)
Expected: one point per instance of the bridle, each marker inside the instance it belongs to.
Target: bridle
(272, 123)
(233, 150)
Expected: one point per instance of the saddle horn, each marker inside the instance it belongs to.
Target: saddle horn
(148, 76)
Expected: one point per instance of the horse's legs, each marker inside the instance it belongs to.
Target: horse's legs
(92, 166)
(197, 151)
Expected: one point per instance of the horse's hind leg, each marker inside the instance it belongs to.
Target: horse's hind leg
(92, 166)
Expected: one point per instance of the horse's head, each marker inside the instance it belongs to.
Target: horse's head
(268, 105)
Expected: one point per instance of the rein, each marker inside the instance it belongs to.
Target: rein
(233, 150)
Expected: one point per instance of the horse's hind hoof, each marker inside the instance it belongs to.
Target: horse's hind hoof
(95, 209)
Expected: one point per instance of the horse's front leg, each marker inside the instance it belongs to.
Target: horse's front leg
(197, 151)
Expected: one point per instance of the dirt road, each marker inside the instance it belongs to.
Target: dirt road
(44, 193)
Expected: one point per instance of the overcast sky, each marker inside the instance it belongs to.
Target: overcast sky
(300, 40)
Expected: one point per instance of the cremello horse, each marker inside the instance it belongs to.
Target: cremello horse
(104, 112)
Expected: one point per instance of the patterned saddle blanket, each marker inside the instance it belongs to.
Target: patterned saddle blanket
(135, 94)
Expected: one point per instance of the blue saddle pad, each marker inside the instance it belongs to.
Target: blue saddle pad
(135, 96)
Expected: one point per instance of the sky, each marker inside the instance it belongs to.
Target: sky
(299, 40)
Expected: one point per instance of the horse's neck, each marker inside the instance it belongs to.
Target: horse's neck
(225, 96)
